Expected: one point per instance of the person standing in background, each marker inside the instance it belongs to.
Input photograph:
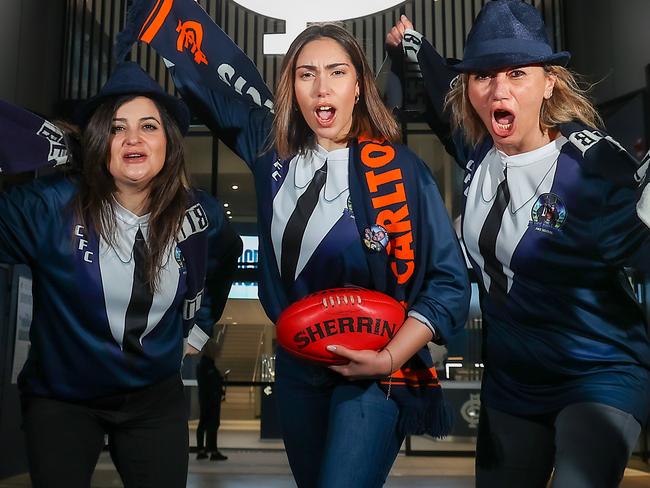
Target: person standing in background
(210, 385)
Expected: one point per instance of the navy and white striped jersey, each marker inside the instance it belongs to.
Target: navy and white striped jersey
(82, 289)
(548, 234)
(330, 232)
(562, 322)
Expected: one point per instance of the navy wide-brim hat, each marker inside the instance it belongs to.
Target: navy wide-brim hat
(129, 78)
(507, 33)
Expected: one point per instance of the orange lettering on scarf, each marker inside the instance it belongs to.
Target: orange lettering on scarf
(402, 248)
(376, 180)
(395, 221)
(190, 35)
(406, 275)
(375, 155)
(398, 196)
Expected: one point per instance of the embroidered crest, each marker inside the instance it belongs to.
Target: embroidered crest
(548, 213)
(470, 410)
(348, 209)
(375, 238)
(178, 255)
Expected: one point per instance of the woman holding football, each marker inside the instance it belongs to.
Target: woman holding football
(549, 222)
(329, 171)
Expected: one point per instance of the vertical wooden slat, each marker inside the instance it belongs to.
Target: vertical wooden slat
(445, 22)
(66, 85)
(82, 52)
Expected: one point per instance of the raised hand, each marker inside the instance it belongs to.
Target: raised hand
(396, 34)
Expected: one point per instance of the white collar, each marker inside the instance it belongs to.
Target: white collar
(526, 172)
(337, 169)
(126, 227)
(128, 217)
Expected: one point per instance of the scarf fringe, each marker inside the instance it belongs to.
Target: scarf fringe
(436, 420)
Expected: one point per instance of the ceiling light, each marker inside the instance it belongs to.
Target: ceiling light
(235, 187)
(228, 212)
(226, 205)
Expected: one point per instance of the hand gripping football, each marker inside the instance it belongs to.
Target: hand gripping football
(352, 317)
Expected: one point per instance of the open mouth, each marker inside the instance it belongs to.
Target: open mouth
(325, 115)
(503, 122)
(135, 157)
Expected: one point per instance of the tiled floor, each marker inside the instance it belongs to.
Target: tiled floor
(269, 469)
(263, 464)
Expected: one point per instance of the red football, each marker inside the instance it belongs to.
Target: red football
(352, 317)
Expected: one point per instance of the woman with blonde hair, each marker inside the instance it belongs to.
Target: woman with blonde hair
(328, 171)
(549, 221)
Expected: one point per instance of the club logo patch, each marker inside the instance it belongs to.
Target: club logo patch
(348, 208)
(375, 238)
(190, 36)
(548, 213)
(178, 255)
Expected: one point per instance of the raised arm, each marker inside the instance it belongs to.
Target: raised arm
(219, 82)
(28, 142)
(426, 71)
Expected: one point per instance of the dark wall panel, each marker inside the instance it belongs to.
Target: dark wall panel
(93, 24)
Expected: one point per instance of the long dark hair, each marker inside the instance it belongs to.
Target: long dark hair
(370, 116)
(168, 190)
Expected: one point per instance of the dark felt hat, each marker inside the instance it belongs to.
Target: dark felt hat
(129, 78)
(507, 33)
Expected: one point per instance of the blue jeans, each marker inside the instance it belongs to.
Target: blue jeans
(336, 432)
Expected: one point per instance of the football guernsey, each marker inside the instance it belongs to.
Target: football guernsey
(562, 322)
(94, 331)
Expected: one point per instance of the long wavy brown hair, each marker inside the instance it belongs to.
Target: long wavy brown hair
(569, 102)
(168, 190)
(370, 117)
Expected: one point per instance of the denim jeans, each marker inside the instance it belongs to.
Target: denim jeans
(337, 433)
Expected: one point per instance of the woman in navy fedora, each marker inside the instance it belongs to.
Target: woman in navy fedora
(117, 252)
(549, 222)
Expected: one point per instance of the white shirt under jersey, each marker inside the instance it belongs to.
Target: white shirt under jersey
(332, 201)
(117, 268)
(530, 175)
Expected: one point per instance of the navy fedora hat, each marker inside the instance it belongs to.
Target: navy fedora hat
(129, 78)
(507, 33)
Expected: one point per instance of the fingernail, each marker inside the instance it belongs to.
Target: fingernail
(331, 348)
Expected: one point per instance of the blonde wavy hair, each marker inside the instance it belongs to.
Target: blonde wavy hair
(568, 103)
